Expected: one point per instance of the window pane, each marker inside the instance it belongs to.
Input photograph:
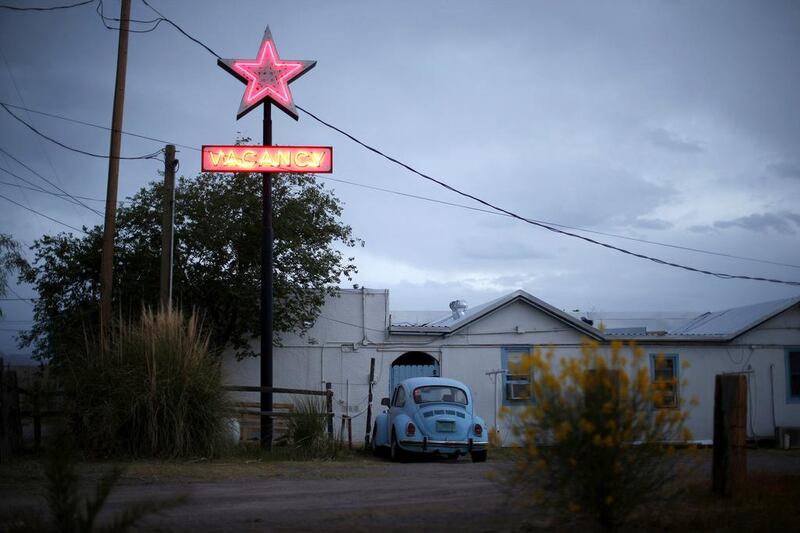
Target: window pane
(794, 362)
(440, 394)
(796, 385)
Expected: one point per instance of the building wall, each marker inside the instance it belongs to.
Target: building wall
(338, 349)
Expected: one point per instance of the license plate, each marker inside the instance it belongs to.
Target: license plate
(445, 426)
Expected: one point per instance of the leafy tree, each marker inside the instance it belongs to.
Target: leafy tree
(10, 260)
(217, 261)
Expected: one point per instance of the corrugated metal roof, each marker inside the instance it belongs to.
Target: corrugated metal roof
(733, 322)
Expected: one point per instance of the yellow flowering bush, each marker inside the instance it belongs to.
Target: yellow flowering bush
(591, 442)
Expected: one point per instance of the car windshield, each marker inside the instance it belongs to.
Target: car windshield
(439, 393)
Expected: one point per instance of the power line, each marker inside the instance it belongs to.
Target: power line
(106, 128)
(70, 148)
(441, 183)
(54, 8)
(507, 212)
(615, 235)
(168, 21)
(40, 190)
(104, 19)
(41, 214)
(50, 182)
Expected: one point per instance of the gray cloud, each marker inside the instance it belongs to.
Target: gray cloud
(785, 169)
(761, 223)
(507, 250)
(702, 228)
(651, 223)
(670, 141)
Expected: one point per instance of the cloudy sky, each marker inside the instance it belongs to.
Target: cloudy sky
(668, 121)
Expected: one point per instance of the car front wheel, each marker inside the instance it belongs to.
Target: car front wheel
(479, 456)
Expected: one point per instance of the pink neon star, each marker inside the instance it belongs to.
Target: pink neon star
(267, 77)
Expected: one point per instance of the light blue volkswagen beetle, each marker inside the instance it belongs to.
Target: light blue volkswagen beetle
(430, 415)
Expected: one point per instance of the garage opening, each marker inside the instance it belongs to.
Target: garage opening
(412, 365)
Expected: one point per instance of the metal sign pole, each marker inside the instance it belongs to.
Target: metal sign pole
(267, 238)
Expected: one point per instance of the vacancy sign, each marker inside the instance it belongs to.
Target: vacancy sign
(312, 159)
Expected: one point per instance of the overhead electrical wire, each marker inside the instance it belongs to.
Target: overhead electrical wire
(400, 193)
(615, 235)
(548, 227)
(51, 193)
(49, 182)
(84, 152)
(445, 185)
(53, 8)
(99, 126)
(174, 25)
(490, 205)
(41, 214)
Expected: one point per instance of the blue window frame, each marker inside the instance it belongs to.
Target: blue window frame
(517, 387)
(793, 374)
(664, 369)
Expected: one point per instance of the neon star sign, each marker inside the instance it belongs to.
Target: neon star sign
(267, 77)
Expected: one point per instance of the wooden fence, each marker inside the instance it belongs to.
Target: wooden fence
(252, 409)
(11, 415)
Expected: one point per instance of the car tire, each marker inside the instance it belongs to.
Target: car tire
(377, 451)
(479, 456)
(453, 456)
(396, 453)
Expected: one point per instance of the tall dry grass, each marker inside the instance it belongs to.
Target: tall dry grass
(153, 390)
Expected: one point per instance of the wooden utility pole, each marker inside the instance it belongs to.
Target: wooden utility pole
(168, 226)
(729, 467)
(109, 228)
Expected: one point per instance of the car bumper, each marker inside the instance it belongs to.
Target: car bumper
(429, 444)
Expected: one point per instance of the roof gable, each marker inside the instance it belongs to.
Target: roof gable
(450, 324)
(731, 323)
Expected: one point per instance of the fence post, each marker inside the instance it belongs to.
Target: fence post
(729, 467)
(367, 434)
(329, 407)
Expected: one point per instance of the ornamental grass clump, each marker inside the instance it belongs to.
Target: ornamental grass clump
(306, 433)
(592, 443)
(153, 390)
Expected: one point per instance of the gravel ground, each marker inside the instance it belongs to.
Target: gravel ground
(355, 495)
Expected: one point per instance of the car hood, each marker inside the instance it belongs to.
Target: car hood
(436, 418)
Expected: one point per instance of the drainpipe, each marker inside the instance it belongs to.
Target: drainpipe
(364, 340)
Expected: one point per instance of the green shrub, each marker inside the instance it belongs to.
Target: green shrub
(307, 435)
(152, 390)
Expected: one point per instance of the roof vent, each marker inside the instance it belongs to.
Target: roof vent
(459, 308)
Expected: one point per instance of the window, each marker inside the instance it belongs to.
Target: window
(517, 387)
(793, 375)
(665, 373)
(439, 393)
(399, 397)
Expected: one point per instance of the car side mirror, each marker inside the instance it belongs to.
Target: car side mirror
(385, 401)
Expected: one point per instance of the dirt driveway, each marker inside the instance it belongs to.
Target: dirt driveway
(380, 496)
(362, 494)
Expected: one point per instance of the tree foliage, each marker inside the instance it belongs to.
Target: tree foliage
(217, 261)
(10, 260)
(592, 445)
